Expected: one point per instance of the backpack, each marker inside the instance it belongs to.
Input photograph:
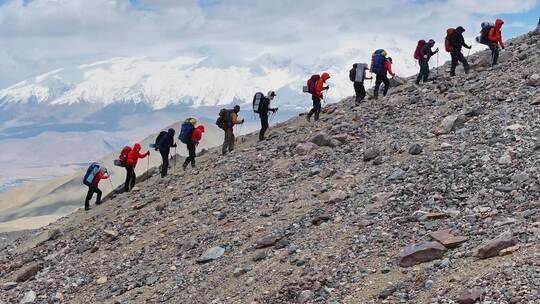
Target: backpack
(122, 159)
(186, 130)
(418, 51)
(484, 33)
(352, 74)
(377, 62)
(257, 102)
(447, 41)
(224, 119)
(360, 72)
(312, 83)
(158, 139)
(90, 174)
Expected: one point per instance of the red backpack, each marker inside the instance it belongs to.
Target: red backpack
(124, 155)
(419, 46)
(447, 43)
(312, 83)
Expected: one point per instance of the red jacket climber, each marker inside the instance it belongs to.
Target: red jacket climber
(319, 87)
(134, 155)
(388, 67)
(495, 35)
(99, 176)
(197, 134)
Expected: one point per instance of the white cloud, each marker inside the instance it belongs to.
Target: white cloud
(43, 35)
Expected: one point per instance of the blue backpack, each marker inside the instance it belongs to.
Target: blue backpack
(377, 62)
(186, 131)
(90, 174)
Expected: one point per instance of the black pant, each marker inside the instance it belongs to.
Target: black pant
(228, 141)
(130, 178)
(494, 53)
(360, 91)
(381, 78)
(316, 107)
(91, 190)
(424, 71)
(264, 125)
(458, 57)
(191, 155)
(164, 162)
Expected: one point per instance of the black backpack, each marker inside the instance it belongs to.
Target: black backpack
(258, 100)
(224, 119)
(352, 74)
(158, 139)
(484, 37)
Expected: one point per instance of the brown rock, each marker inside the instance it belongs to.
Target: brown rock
(436, 215)
(266, 241)
(470, 296)
(447, 239)
(420, 253)
(493, 247)
(509, 250)
(28, 272)
(535, 102)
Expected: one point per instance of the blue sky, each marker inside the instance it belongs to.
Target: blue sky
(43, 35)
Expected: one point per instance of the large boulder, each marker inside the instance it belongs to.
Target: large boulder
(324, 140)
(420, 253)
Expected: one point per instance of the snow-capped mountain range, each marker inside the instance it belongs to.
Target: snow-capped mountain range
(187, 81)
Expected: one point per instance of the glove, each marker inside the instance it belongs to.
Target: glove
(156, 148)
(469, 47)
(175, 145)
(436, 50)
(148, 152)
(327, 87)
(242, 121)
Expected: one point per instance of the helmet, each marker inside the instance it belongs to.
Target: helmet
(236, 108)
(171, 131)
(460, 29)
(271, 94)
(431, 42)
(389, 59)
(104, 170)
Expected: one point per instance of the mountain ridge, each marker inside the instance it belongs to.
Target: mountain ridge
(429, 195)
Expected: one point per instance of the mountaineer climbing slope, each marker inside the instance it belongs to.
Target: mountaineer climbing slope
(357, 75)
(425, 55)
(454, 42)
(261, 106)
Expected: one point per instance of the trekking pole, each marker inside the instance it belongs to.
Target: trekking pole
(437, 67)
(174, 157)
(148, 164)
(112, 186)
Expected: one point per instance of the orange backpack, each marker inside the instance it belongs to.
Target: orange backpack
(447, 42)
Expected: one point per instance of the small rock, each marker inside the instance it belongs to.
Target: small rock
(305, 296)
(151, 280)
(509, 250)
(470, 296)
(447, 239)
(266, 241)
(370, 154)
(388, 291)
(9, 285)
(27, 272)
(420, 253)
(259, 256)
(211, 254)
(305, 148)
(320, 219)
(415, 149)
(29, 297)
(102, 280)
(452, 123)
(111, 234)
(492, 248)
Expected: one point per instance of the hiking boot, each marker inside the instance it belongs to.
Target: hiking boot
(184, 166)
(87, 209)
(193, 165)
(99, 203)
(308, 118)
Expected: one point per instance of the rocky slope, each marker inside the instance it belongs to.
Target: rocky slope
(352, 209)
